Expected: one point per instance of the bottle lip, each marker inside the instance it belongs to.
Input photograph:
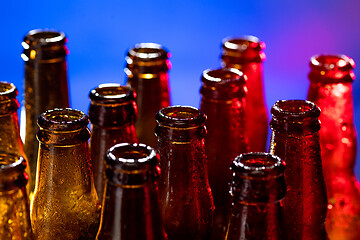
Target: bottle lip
(180, 117)
(63, 119)
(7, 91)
(149, 52)
(223, 76)
(295, 109)
(243, 43)
(332, 62)
(43, 37)
(112, 93)
(10, 162)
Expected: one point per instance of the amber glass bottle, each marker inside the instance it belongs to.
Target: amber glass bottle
(14, 201)
(223, 101)
(257, 189)
(112, 114)
(147, 66)
(46, 85)
(247, 55)
(295, 139)
(10, 140)
(65, 204)
(331, 80)
(187, 203)
(131, 207)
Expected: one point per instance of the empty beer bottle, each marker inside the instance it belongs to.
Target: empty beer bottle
(257, 188)
(187, 203)
(46, 85)
(131, 206)
(14, 201)
(295, 139)
(331, 78)
(65, 204)
(10, 140)
(223, 101)
(112, 114)
(247, 54)
(147, 66)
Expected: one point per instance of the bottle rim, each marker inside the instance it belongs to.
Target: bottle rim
(7, 91)
(332, 62)
(295, 109)
(41, 37)
(243, 43)
(183, 117)
(15, 162)
(223, 76)
(148, 52)
(63, 119)
(112, 93)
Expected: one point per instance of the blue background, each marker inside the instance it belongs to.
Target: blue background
(100, 32)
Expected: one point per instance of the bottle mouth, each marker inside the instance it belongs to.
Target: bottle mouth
(223, 76)
(332, 62)
(112, 93)
(180, 117)
(295, 109)
(243, 43)
(148, 52)
(44, 37)
(12, 170)
(63, 119)
(7, 91)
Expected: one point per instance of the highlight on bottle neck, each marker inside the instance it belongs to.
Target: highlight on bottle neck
(331, 69)
(243, 49)
(8, 101)
(44, 45)
(223, 84)
(12, 172)
(131, 165)
(258, 178)
(295, 116)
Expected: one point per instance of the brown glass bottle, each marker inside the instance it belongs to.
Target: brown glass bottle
(112, 114)
(10, 140)
(295, 139)
(331, 78)
(46, 85)
(257, 189)
(14, 201)
(187, 203)
(131, 206)
(147, 66)
(247, 54)
(223, 101)
(65, 204)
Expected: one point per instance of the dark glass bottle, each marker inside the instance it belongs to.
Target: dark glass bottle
(187, 203)
(131, 206)
(223, 101)
(112, 114)
(257, 188)
(331, 78)
(65, 204)
(14, 201)
(10, 140)
(46, 85)
(247, 55)
(147, 66)
(295, 139)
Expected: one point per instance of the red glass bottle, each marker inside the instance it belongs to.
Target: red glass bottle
(223, 101)
(257, 188)
(331, 79)
(295, 139)
(147, 66)
(131, 207)
(112, 114)
(247, 54)
(187, 203)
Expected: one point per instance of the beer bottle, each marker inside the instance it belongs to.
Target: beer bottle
(247, 54)
(14, 201)
(46, 85)
(10, 140)
(223, 101)
(147, 66)
(331, 78)
(65, 204)
(295, 139)
(131, 206)
(257, 189)
(112, 114)
(187, 203)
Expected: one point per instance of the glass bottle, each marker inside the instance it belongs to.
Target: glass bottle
(295, 139)
(247, 54)
(331, 78)
(112, 114)
(147, 66)
(65, 204)
(10, 140)
(14, 201)
(257, 188)
(187, 203)
(46, 85)
(131, 206)
(223, 100)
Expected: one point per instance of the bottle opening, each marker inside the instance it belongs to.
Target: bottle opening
(243, 43)
(7, 91)
(45, 36)
(65, 119)
(112, 91)
(222, 75)
(332, 62)
(148, 51)
(180, 116)
(295, 108)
